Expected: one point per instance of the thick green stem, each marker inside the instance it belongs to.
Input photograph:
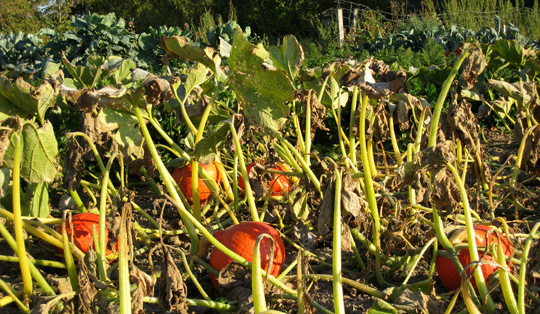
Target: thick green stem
(17, 217)
(307, 137)
(339, 306)
(370, 191)
(257, 286)
(434, 126)
(523, 269)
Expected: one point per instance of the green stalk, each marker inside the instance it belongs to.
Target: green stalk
(506, 285)
(168, 139)
(395, 145)
(257, 286)
(352, 137)
(193, 277)
(103, 207)
(307, 145)
(17, 217)
(299, 283)
(168, 181)
(78, 202)
(434, 125)
(39, 262)
(243, 172)
(416, 260)
(296, 122)
(370, 191)
(339, 306)
(523, 269)
(473, 251)
(124, 294)
(68, 257)
(145, 215)
(353, 283)
(34, 231)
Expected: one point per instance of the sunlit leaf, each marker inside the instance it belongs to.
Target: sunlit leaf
(288, 57)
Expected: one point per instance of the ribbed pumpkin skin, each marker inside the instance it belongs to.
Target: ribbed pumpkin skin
(279, 185)
(83, 224)
(241, 239)
(182, 176)
(447, 271)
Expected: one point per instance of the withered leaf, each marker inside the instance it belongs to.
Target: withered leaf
(324, 221)
(462, 123)
(145, 287)
(235, 285)
(87, 291)
(434, 158)
(73, 165)
(445, 196)
(4, 143)
(473, 66)
(172, 289)
(156, 90)
(352, 200)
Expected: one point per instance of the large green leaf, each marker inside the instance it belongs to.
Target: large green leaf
(19, 97)
(36, 201)
(84, 76)
(288, 57)
(262, 90)
(39, 153)
(127, 135)
(213, 142)
(509, 50)
(181, 47)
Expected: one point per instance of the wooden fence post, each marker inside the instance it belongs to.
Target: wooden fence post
(341, 31)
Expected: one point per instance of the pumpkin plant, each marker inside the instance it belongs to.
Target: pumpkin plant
(241, 239)
(446, 269)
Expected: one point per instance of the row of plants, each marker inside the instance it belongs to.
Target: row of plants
(97, 35)
(353, 179)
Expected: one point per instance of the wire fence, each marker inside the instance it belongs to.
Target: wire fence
(356, 15)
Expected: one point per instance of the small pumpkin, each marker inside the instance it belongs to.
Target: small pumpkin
(83, 232)
(241, 239)
(448, 272)
(280, 184)
(182, 176)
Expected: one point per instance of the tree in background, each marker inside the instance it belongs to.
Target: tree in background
(20, 15)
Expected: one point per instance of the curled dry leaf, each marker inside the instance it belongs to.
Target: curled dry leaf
(235, 285)
(462, 124)
(445, 195)
(73, 165)
(172, 289)
(473, 66)
(145, 287)
(156, 90)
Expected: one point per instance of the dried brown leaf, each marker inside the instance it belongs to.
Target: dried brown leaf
(145, 287)
(172, 289)
(445, 196)
(73, 165)
(473, 66)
